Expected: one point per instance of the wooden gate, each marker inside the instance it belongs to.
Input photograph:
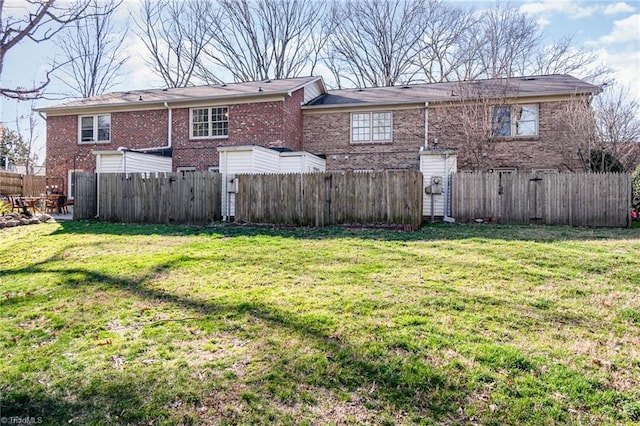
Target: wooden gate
(578, 199)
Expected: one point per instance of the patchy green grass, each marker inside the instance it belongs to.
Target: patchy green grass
(128, 324)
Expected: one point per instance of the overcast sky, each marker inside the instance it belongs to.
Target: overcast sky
(612, 28)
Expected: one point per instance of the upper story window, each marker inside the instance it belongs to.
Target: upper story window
(95, 128)
(371, 127)
(209, 122)
(520, 120)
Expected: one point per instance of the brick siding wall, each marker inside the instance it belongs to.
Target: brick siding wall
(143, 129)
(548, 150)
(269, 124)
(329, 134)
(292, 125)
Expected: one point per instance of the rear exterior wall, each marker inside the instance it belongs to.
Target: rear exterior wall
(139, 129)
(550, 149)
(328, 133)
(275, 124)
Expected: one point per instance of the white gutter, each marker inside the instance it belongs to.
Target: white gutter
(169, 129)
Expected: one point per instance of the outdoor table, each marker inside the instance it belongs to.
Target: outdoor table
(35, 204)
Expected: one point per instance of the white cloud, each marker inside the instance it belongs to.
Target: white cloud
(624, 66)
(625, 30)
(565, 7)
(621, 7)
(543, 22)
(138, 74)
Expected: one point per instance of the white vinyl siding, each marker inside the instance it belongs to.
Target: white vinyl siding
(301, 162)
(312, 91)
(94, 128)
(444, 166)
(236, 160)
(371, 127)
(131, 162)
(209, 122)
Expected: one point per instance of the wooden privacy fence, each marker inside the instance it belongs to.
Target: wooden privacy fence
(577, 199)
(84, 204)
(317, 199)
(189, 198)
(19, 184)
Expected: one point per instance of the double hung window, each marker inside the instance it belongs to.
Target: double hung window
(209, 122)
(520, 120)
(371, 127)
(95, 128)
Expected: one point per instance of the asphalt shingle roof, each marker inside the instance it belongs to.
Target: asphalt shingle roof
(218, 91)
(451, 91)
(411, 94)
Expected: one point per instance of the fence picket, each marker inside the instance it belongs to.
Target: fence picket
(578, 199)
(331, 198)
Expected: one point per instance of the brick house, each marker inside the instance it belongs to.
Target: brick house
(504, 124)
(188, 124)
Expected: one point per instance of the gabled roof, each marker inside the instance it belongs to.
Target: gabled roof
(545, 85)
(229, 91)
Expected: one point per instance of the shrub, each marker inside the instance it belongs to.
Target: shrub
(5, 207)
(635, 182)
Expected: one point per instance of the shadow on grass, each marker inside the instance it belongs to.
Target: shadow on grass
(402, 384)
(428, 232)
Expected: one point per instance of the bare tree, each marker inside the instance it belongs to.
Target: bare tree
(375, 41)
(175, 32)
(618, 127)
(93, 52)
(446, 34)
(504, 43)
(562, 57)
(579, 136)
(603, 131)
(35, 21)
(28, 138)
(263, 39)
(476, 120)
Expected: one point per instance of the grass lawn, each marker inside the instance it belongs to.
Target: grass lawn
(130, 324)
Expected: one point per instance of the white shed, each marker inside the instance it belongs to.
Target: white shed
(124, 161)
(301, 162)
(437, 167)
(257, 159)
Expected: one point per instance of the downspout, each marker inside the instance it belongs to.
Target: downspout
(426, 125)
(448, 191)
(169, 123)
(169, 130)
(98, 169)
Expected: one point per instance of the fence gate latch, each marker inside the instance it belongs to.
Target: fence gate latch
(535, 179)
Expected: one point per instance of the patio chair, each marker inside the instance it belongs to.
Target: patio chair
(51, 205)
(17, 203)
(62, 204)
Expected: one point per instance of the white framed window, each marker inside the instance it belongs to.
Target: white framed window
(94, 128)
(371, 127)
(213, 168)
(545, 171)
(186, 169)
(516, 120)
(505, 170)
(209, 123)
